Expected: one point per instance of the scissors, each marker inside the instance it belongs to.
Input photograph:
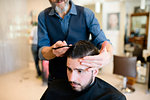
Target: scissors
(62, 47)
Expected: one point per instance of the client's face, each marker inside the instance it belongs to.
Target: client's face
(79, 76)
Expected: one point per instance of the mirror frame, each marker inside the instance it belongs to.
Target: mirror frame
(147, 26)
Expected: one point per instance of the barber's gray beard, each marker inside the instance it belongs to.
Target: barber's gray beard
(61, 11)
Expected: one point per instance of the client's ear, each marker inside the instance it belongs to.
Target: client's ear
(95, 72)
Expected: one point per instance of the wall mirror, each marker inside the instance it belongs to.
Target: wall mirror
(139, 29)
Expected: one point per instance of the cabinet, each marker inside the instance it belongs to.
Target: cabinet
(139, 40)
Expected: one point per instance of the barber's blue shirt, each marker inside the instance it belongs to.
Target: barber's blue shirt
(91, 21)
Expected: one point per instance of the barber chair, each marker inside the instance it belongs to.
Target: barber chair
(126, 67)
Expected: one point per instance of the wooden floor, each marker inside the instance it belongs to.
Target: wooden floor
(22, 84)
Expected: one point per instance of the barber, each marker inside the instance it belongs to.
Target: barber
(64, 24)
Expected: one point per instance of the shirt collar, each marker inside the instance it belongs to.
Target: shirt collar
(52, 11)
(73, 10)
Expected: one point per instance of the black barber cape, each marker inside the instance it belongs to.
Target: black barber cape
(99, 90)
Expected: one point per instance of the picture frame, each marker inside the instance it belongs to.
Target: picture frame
(113, 21)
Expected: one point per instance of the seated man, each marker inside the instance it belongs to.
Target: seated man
(82, 83)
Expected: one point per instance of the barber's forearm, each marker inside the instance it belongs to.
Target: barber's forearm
(47, 53)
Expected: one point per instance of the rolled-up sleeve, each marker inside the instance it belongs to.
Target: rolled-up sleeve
(43, 39)
(40, 54)
(98, 36)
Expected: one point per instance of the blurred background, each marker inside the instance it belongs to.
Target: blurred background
(124, 22)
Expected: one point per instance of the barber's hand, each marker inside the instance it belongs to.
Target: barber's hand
(97, 61)
(60, 52)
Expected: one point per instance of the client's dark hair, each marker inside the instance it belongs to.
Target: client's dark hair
(81, 49)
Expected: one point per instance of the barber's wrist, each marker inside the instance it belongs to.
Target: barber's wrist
(52, 53)
(48, 53)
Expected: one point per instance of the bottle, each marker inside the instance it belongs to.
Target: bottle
(138, 66)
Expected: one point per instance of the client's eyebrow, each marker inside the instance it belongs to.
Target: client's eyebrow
(82, 68)
(76, 68)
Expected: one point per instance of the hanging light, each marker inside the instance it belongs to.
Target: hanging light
(97, 7)
(142, 4)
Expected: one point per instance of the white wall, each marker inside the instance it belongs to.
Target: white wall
(13, 35)
(37, 5)
(15, 50)
(116, 36)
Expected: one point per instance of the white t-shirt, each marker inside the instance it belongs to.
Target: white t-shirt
(34, 35)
